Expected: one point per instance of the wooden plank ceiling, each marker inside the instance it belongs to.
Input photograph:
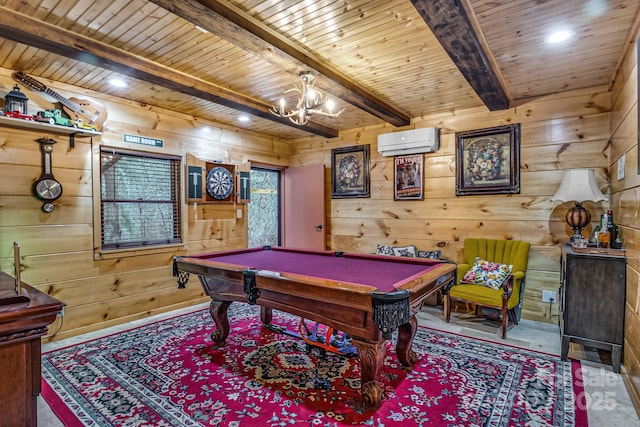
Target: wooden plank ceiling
(387, 61)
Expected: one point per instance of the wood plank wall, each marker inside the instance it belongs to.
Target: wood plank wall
(626, 203)
(559, 132)
(58, 248)
(564, 131)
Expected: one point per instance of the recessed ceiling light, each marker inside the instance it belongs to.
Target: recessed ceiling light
(118, 83)
(559, 36)
(243, 118)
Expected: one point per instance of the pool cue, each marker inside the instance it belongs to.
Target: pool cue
(16, 264)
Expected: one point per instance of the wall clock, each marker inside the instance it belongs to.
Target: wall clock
(219, 183)
(46, 187)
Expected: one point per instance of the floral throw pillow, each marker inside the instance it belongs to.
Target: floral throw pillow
(487, 273)
(384, 250)
(409, 251)
(429, 254)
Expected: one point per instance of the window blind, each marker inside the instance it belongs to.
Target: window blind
(140, 199)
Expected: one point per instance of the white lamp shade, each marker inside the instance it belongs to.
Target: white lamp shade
(579, 185)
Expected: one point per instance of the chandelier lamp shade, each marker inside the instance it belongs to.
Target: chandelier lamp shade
(578, 185)
(310, 101)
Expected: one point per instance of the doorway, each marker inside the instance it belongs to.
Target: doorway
(264, 211)
(287, 207)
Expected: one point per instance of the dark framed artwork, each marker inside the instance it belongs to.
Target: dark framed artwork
(408, 173)
(350, 172)
(488, 161)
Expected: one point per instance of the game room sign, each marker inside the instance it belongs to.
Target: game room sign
(143, 140)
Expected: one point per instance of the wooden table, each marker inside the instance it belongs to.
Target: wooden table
(22, 323)
(365, 296)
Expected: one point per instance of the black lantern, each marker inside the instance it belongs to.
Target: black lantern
(16, 101)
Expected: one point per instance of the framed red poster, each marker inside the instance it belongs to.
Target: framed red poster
(408, 177)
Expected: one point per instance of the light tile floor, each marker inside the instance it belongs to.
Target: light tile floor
(606, 398)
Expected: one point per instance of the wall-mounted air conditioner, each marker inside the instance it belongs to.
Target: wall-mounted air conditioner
(424, 140)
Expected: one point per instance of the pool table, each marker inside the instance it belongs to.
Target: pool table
(367, 297)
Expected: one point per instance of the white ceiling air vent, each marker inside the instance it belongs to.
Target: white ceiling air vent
(424, 140)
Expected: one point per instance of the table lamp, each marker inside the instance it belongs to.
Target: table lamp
(578, 185)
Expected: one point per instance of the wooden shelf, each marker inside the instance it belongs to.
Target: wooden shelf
(46, 127)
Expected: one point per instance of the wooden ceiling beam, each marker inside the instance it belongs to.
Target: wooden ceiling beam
(24, 29)
(236, 27)
(453, 29)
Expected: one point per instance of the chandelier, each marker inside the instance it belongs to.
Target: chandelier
(311, 101)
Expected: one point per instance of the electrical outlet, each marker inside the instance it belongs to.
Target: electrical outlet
(549, 296)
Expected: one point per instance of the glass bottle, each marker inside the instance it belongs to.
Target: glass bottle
(593, 238)
(616, 243)
(602, 225)
(604, 236)
(604, 221)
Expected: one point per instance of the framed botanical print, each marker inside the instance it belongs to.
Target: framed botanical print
(350, 172)
(488, 161)
(408, 173)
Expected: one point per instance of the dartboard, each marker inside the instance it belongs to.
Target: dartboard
(219, 183)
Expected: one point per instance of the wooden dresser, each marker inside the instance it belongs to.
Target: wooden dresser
(592, 298)
(22, 323)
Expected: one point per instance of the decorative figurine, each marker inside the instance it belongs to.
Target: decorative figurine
(53, 117)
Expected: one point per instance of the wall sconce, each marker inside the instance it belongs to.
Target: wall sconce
(311, 101)
(578, 185)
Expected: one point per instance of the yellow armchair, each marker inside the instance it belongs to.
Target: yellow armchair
(507, 298)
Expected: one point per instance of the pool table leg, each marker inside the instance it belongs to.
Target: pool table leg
(218, 311)
(406, 332)
(266, 315)
(371, 356)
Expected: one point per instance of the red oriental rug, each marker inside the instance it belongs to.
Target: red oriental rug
(167, 374)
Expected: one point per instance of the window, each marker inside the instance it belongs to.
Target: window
(139, 199)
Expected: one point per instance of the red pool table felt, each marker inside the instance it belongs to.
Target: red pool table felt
(383, 273)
